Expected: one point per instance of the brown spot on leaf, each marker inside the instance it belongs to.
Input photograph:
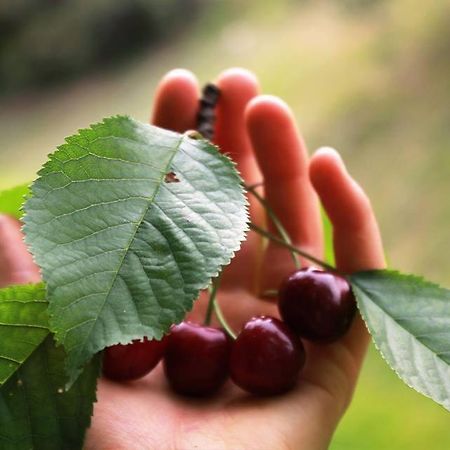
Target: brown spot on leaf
(171, 178)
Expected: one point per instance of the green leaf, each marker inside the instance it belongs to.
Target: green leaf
(128, 223)
(409, 320)
(35, 411)
(11, 200)
(23, 325)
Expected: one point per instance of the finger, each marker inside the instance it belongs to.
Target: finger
(357, 246)
(283, 160)
(237, 88)
(16, 263)
(356, 237)
(176, 101)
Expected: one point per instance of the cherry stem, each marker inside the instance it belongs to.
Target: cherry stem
(253, 186)
(214, 306)
(291, 247)
(270, 293)
(212, 296)
(279, 226)
(222, 320)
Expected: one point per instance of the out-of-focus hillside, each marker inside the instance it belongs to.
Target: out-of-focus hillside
(44, 42)
(371, 78)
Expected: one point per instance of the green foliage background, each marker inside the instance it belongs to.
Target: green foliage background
(371, 78)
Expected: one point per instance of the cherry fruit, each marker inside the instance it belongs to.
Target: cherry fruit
(196, 359)
(266, 357)
(317, 305)
(132, 361)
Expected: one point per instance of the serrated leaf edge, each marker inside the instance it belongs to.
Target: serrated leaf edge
(416, 278)
(80, 132)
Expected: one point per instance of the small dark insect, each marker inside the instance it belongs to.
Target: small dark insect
(206, 116)
(171, 178)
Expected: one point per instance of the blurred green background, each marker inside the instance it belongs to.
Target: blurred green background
(371, 78)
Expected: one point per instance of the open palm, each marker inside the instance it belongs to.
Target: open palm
(259, 133)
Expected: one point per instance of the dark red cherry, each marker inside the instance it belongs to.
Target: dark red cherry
(196, 359)
(266, 357)
(132, 361)
(317, 305)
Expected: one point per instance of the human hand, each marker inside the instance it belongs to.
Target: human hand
(259, 133)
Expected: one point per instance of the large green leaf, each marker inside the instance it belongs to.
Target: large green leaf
(128, 222)
(35, 411)
(23, 325)
(11, 200)
(409, 320)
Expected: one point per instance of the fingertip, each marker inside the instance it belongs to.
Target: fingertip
(328, 170)
(176, 101)
(237, 87)
(357, 240)
(179, 74)
(268, 108)
(328, 152)
(325, 163)
(231, 74)
(331, 179)
(277, 143)
(238, 83)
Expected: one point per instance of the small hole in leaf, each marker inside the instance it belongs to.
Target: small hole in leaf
(171, 178)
